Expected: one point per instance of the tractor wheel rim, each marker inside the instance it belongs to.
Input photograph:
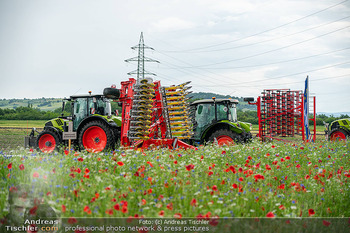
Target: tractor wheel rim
(225, 140)
(47, 143)
(94, 138)
(338, 136)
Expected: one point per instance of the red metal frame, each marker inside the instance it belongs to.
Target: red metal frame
(158, 136)
(281, 113)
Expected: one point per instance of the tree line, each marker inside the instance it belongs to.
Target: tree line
(30, 113)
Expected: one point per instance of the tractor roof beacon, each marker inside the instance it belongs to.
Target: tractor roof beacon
(216, 120)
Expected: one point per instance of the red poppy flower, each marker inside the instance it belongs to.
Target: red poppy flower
(223, 152)
(193, 202)
(66, 152)
(9, 166)
(214, 188)
(150, 163)
(161, 213)
(240, 179)
(297, 166)
(125, 209)
(326, 223)
(189, 167)
(35, 174)
(63, 207)
(178, 215)
(210, 173)
(21, 167)
(311, 212)
(72, 220)
(80, 159)
(235, 186)
(116, 207)
(270, 215)
(109, 211)
(32, 211)
(169, 206)
(86, 170)
(87, 209)
(273, 146)
(120, 163)
(307, 177)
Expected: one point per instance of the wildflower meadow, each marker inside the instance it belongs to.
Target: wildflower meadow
(267, 180)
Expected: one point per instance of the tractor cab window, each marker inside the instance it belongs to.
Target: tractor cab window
(80, 110)
(99, 106)
(205, 114)
(232, 114)
(222, 111)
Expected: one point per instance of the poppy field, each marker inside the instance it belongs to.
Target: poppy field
(265, 180)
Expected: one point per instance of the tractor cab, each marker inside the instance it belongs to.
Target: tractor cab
(84, 106)
(215, 117)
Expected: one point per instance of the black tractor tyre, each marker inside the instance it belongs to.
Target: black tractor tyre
(224, 136)
(96, 136)
(111, 93)
(337, 134)
(47, 141)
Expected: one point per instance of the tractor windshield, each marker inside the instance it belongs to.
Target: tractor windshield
(226, 111)
(100, 106)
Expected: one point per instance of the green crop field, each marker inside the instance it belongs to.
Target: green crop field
(258, 179)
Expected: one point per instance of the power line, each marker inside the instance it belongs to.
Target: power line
(276, 38)
(269, 51)
(266, 64)
(262, 32)
(283, 76)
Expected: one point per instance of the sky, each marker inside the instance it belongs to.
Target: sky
(59, 48)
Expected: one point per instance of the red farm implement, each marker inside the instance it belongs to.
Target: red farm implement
(281, 114)
(154, 116)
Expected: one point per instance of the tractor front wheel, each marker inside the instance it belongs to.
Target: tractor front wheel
(47, 141)
(96, 136)
(224, 137)
(338, 135)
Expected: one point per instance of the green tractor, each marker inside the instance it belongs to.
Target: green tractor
(338, 129)
(91, 125)
(215, 120)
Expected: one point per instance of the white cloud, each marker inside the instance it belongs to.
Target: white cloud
(171, 24)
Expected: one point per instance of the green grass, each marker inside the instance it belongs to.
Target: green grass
(282, 178)
(22, 123)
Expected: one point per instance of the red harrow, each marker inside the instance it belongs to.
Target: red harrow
(154, 116)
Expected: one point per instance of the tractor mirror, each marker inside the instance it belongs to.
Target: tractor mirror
(248, 99)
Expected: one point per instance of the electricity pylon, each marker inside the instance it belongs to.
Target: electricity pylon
(141, 59)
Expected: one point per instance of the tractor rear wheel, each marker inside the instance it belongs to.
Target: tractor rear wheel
(338, 135)
(47, 141)
(96, 136)
(225, 137)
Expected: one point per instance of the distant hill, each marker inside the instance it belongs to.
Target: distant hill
(336, 114)
(44, 104)
(50, 104)
(208, 95)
